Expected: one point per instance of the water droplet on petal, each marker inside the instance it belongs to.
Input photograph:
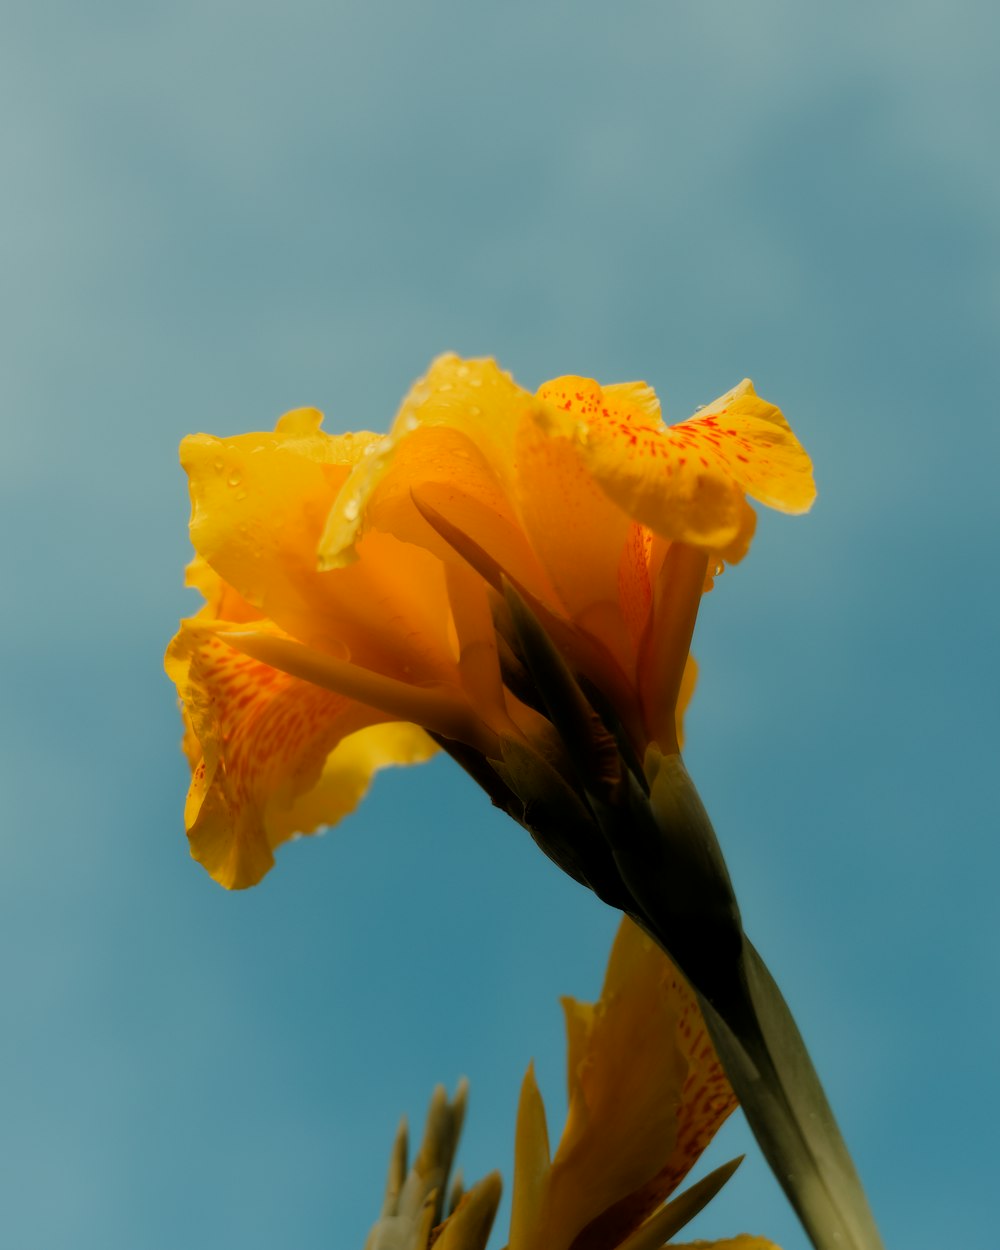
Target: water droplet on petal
(235, 479)
(219, 465)
(351, 509)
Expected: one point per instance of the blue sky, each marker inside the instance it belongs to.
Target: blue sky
(214, 212)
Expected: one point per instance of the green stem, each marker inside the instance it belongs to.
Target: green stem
(671, 863)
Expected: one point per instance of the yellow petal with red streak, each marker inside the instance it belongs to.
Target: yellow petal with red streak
(686, 482)
(264, 753)
(748, 438)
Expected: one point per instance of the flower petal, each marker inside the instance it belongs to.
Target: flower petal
(749, 439)
(264, 753)
(453, 439)
(576, 530)
(348, 773)
(622, 1118)
(259, 503)
(685, 482)
(706, 1100)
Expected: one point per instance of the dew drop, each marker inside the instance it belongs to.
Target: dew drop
(475, 410)
(235, 479)
(475, 382)
(219, 465)
(351, 509)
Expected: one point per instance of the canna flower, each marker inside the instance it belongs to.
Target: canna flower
(646, 1095)
(355, 586)
(513, 578)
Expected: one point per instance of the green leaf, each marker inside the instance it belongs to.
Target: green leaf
(560, 822)
(680, 1210)
(589, 746)
(686, 903)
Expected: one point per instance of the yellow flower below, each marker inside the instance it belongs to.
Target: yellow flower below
(646, 1096)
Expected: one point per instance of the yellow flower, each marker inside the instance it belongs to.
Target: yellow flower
(646, 1095)
(353, 584)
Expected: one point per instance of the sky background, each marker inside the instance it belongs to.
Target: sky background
(214, 212)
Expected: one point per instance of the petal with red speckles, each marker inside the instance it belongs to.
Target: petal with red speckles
(271, 755)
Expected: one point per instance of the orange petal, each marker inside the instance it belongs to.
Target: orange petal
(706, 1100)
(645, 1094)
(635, 593)
(664, 650)
(576, 530)
(622, 1118)
(264, 753)
(453, 442)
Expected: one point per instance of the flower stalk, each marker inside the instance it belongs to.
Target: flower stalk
(644, 843)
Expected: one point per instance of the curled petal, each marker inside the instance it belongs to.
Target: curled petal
(749, 439)
(685, 482)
